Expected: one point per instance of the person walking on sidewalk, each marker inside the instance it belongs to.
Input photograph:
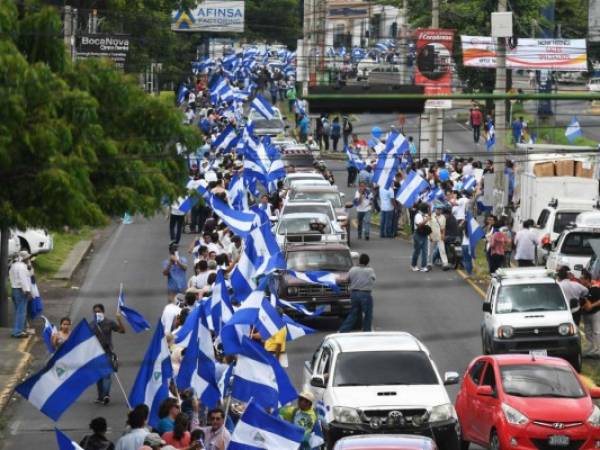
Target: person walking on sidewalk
(422, 230)
(361, 280)
(386, 214)
(476, 119)
(20, 282)
(363, 200)
(103, 327)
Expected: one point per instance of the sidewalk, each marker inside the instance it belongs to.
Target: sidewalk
(15, 358)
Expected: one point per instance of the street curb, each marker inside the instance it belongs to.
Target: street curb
(20, 371)
(470, 282)
(74, 260)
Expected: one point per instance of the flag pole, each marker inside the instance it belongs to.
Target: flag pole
(122, 390)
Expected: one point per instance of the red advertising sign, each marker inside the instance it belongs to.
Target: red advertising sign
(434, 60)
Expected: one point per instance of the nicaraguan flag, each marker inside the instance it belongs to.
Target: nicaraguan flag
(573, 130)
(385, 170)
(296, 330)
(221, 309)
(243, 275)
(259, 375)
(134, 318)
(47, 334)
(354, 159)
(151, 384)
(77, 364)
(236, 193)
(263, 106)
(258, 429)
(474, 232)
(323, 278)
(411, 188)
(435, 194)
(267, 249)
(239, 222)
(182, 93)
(396, 144)
(469, 182)
(65, 442)
(198, 365)
(301, 308)
(241, 321)
(227, 139)
(299, 108)
(188, 203)
(490, 140)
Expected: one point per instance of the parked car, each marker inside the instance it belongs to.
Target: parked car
(380, 382)
(526, 402)
(386, 442)
(298, 227)
(295, 176)
(35, 240)
(323, 207)
(267, 127)
(525, 309)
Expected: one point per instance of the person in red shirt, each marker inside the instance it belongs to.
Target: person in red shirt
(180, 436)
(475, 119)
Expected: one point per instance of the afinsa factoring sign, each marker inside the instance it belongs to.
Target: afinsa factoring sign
(219, 16)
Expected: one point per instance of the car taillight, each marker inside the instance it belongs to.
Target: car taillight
(546, 240)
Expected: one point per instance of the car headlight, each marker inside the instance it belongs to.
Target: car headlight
(344, 414)
(594, 419)
(442, 413)
(566, 329)
(292, 291)
(514, 416)
(505, 332)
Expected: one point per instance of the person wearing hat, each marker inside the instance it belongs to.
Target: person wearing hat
(20, 282)
(302, 415)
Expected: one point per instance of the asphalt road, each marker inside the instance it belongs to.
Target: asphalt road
(438, 307)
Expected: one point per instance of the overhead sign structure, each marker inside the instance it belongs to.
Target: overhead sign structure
(568, 55)
(434, 60)
(479, 51)
(111, 46)
(214, 16)
(347, 11)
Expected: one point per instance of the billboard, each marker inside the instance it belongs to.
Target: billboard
(568, 55)
(345, 10)
(479, 51)
(215, 16)
(434, 60)
(112, 46)
(552, 54)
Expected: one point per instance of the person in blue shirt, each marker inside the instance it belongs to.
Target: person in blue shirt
(303, 128)
(167, 412)
(411, 146)
(386, 205)
(336, 132)
(517, 130)
(174, 269)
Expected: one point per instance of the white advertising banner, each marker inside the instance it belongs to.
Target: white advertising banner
(215, 16)
(479, 51)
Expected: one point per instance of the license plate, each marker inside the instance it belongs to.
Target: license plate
(539, 354)
(559, 440)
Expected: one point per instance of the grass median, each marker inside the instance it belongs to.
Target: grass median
(47, 264)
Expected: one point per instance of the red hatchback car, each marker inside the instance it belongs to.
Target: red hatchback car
(526, 402)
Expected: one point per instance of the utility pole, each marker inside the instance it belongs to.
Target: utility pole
(404, 43)
(70, 29)
(500, 121)
(434, 117)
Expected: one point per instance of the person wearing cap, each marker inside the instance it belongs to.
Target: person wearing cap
(302, 415)
(20, 282)
(174, 269)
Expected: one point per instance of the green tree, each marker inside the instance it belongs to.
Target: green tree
(78, 143)
(274, 21)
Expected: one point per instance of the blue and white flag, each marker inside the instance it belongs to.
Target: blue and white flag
(447, 157)
(573, 130)
(151, 384)
(299, 108)
(301, 308)
(36, 305)
(188, 203)
(47, 334)
(468, 183)
(258, 429)
(327, 279)
(198, 365)
(259, 375)
(296, 330)
(65, 442)
(243, 275)
(385, 170)
(355, 159)
(227, 139)
(396, 144)
(77, 364)
(411, 188)
(435, 194)
(221, 309)
(267, 249)
(240, 222)
(490, 140)
(134, 318)
(182, 93)
(236, 193)
(475, 232)
(263, 106)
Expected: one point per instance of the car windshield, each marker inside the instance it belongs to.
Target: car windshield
(383, 368)
(540, 380)
(255, 115)
(331, 197)
(268, 124)
(329, 260)
(299, 225)
(563, 220)
(298, 160)
(529, 298)
(577, 244)
(325, 209)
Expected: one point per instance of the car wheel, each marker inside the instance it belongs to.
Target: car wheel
(484, 347)
(24, 245)
(494, 441)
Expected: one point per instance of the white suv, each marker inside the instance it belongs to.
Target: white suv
(524, 310)
(380, 382)
(35, 240)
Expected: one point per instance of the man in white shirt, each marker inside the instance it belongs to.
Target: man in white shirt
(363, 200)
(169, 314)
(459, 209)
(525, 244)
(216, 436)
(176, 221)
(20, 282)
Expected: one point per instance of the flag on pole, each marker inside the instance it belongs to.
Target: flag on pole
(468, 183)
(77, 364)
(474, 232)
(385, 170)
(134, 318)
(296, 330)
(65, 442)
(47, 334)
(490, 140)
(151, 384)
(411, 188)
(263, 107)
(573, 130)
